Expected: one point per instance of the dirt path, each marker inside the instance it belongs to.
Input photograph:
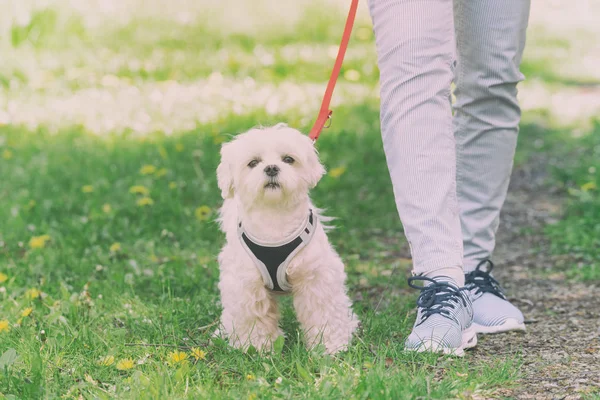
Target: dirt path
(561, 349)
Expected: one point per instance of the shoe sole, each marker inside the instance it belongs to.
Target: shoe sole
(469, 340)
(510, 324)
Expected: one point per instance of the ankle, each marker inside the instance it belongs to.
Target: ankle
(454, 275)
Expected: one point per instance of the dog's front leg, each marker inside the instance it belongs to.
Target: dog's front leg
(250, 313)
(324, 309)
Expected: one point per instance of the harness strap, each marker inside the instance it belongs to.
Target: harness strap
(272, 259)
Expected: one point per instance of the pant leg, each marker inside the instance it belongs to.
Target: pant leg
(490, 36)
(416, 54)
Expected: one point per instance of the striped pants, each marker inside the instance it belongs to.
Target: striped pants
(450, 171)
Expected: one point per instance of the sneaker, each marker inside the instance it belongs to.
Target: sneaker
(444, 318)
(492, 312)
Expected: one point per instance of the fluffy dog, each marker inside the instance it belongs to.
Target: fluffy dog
(269, 220)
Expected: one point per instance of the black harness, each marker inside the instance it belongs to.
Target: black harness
(272, 259)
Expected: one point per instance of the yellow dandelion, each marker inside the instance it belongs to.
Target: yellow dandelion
(352, 75)
(115, 247)
(202, 213)
(250, 377)
(178, 357)
(160, 172)
(39, 242)
(145, 201)
(337, 172)
(3, 277)
(27, 312)
(125, 364)
(87, 189)
(139, 189)
(4, 326)
(148, 170)
(7, 154)
(198, 354)
(32, 293)
(172, 185)
(252, 396)
(586, 187)
(106, 361)
(106, 208)
(179, 147)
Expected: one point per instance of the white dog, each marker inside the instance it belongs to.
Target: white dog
(276, 243)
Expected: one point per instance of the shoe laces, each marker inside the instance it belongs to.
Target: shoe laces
(482, 281)
(438, 297)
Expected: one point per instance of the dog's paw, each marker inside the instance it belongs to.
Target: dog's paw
(262, 348)
(335, 348)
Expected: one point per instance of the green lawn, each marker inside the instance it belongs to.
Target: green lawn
(108, 242)
(114, 271)
(578, 234)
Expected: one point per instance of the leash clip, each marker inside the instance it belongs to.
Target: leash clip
(328, 123)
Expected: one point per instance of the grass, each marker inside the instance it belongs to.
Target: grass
(105, 293)
(578, 233)
(573, 172)
(113, 275)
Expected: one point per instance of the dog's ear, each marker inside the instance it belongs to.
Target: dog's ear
(316, 170)
(224, 175)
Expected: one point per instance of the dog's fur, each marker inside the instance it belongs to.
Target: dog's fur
(250, 312)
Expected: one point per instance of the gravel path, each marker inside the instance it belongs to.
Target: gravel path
(561, 348)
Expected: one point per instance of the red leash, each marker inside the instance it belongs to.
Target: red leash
(325, 112)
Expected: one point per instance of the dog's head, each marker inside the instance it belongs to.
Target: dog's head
(270, 165)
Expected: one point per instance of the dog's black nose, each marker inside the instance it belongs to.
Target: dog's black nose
(271, 170)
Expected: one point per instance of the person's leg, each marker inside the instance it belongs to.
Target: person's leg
(416, 54)
(415, 49)
(490, 38)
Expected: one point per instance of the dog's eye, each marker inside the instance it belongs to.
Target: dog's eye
(288, 160)
(253, 163)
